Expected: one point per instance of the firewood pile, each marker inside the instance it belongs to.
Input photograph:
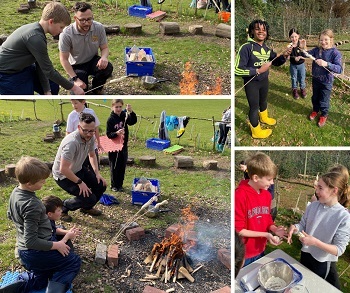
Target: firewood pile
(168, 259)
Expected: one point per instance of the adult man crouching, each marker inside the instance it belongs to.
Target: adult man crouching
(85, 185)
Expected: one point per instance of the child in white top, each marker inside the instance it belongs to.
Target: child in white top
(324, 227)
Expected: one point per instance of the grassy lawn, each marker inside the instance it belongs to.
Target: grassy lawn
(293, 127)
(210, 60)
(205, 191)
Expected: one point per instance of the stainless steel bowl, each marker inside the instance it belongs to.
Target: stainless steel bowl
(275, 270)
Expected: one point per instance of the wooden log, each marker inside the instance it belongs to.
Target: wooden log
(148, 160)
(104, 160)
(210, 164)
(185, 272)
(223, 31)
(183, 161)
(48, 139)
(23, 9)
(196, 29)
(10, 170)
(133, 28)
(32, 4)
(169, 28)
(2, 175)
(112, 29)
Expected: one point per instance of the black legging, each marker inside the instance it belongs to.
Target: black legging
(256, 92)
(326, 270)
(223, 133)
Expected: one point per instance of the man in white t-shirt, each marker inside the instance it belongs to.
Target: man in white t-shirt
(79, 45)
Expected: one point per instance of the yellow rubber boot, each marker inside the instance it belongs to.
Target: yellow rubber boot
(265, 119)
(257, 132)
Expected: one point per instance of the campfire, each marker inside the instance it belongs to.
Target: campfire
(168, 259)
(189, 83)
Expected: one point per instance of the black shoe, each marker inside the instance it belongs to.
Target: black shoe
(120, 189)
(15, 287)
(115, 189)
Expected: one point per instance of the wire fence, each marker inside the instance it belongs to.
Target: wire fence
(280, 26)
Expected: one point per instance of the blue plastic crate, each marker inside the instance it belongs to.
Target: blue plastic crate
(139, 11)
(157, 144)
(139, 68)
(141, 197)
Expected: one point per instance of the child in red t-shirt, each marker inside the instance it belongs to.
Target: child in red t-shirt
(253, 220)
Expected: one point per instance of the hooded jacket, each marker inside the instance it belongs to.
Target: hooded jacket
(252, 212)
(251, 56)
(116, 122)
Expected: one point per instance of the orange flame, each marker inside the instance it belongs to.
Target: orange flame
(189, 83)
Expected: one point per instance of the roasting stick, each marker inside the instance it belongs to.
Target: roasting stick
(129, 222)
(314, 59)
(111, 81)
(257, 74)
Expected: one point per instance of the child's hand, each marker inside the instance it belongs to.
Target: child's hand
(281, 231)
(75, 230)
(307, 239)
(120, 132)
(128, 108)
(299, 58)
(265, 67)
(70, 235)
(274, 240)
(291, 231)
(302, 44)
(321, 62)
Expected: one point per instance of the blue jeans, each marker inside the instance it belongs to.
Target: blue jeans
(297, 75)
(321, 95)
(253, 259)
(50, 265)
(25, 82)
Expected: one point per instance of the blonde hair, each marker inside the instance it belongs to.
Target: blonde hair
(329, 33)
(261, 164)
(31, 170)
(57, 12)
(115, 101)
(340, 180)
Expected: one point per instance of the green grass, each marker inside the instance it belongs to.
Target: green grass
(195, 186)
(293, 127)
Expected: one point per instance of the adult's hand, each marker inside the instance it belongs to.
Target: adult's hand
(80, 83)
(102, 63)
(77, 90)
(291, 231)
(100, 178)
(84, 189)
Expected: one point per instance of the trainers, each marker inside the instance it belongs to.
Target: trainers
(295, 94)
(303, 93)
(91, 212)
(115, 189)
(322, 121)
(66, 218)
(313, 115)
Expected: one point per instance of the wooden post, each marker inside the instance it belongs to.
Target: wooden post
(213, 124)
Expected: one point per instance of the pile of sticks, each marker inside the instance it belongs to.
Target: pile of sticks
(170, 261)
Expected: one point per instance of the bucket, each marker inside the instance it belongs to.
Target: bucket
(224, 16)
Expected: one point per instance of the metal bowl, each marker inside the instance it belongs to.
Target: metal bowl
(269, 275)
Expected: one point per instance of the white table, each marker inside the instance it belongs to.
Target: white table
(311, 281)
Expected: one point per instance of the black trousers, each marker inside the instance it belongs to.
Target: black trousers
(79, 201)
(223, 133)
(117, 165)
(326, 270)
(84, 70)
(256, 92)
